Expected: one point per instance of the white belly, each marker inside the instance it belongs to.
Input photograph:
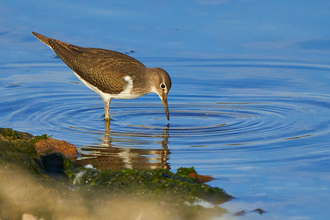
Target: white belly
(106, 97)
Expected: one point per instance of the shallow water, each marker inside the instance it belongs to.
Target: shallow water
(249, 107)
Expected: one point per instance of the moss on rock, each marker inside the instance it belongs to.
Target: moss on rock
(39, 138)
(176, 190)
(21, 153)
(8, 134)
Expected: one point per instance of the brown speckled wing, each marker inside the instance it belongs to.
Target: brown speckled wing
(102, 68)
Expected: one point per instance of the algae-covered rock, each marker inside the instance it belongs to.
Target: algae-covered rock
(174, 190)
(38, 138)
(94, 194)
(19, 148)
(9, 134)
(21, 153)
(55, 163)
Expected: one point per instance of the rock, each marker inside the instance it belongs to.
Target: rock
(8, 134)
(51, 145)
(55, 163)
(260, 211)
(20, 153)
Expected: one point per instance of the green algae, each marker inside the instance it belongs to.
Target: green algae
(18, 148)
(176, 190)
(38, 138)
(9, 134)
(21, 153)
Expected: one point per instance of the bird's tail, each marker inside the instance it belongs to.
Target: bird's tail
(42, 38)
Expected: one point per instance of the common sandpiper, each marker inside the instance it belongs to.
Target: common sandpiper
(111, 74)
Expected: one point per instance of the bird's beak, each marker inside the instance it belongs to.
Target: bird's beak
(163, 97)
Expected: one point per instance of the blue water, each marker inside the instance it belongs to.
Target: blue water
(249, 103)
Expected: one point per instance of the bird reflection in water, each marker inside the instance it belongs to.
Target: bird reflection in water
(115, 151)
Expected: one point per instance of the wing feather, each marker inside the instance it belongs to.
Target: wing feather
(102, 68)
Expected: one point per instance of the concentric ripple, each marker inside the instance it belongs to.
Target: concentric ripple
(269, 113)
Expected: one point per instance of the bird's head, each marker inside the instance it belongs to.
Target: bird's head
(161, 84)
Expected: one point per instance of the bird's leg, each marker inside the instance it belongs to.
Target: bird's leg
(106, 110)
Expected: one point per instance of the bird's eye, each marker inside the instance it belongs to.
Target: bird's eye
(162, 86)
